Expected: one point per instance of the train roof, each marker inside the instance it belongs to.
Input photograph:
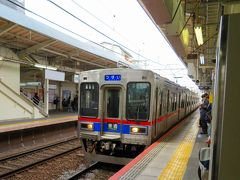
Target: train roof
(156, 75)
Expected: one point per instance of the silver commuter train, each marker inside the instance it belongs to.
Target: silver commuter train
(122, 111)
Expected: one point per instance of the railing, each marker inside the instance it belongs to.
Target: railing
(19, 104)
(35, 102)
(24, 98)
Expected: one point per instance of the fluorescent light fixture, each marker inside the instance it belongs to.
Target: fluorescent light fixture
(45, 67)
(199, 35)
(1, 58)
(202, 59)
(51, 68)
(40, 66)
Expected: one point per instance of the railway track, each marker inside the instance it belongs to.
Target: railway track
(20, 162)
(84, 171)
(97, 170)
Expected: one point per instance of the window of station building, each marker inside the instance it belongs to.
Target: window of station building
(89, 99)
(138, 101)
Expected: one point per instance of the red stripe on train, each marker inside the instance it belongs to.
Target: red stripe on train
(130, 122)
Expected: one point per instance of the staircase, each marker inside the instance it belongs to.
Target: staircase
(17, 106)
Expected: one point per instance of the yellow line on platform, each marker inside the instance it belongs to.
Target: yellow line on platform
(177, 165)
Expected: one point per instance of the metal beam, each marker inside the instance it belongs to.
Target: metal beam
(77, 59)
(37, 47)
(206, 67)
(75, 52)
(7, 27)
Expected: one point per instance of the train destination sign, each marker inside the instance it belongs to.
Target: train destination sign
(113, 77)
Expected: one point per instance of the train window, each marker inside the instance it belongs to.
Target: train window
(138, 101)
(182, 103)
(89, 99)
(168, 101)
(175, 102)
(160, 106)
(113, 103)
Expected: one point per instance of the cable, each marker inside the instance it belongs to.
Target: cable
(62, 26)
(91, 14)
(104, 23)
(99, 31)
(79, 34)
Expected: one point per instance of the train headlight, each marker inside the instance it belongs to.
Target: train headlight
(87, 126)
(90, 126)
(138, 130)
(135, 130)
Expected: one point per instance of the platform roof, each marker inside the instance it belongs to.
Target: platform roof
(30, 38)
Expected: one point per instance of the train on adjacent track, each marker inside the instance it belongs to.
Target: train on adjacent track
(122, 111)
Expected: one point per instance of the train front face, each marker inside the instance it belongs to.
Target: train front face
(115, 111)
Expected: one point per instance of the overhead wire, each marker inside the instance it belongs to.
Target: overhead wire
(101, 21)
(66, 11)
(101, 32)
(79, 34)
(62, 27)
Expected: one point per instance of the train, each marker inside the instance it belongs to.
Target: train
(123, 111)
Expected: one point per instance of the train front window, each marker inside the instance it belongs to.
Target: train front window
(113, 103)
(89, 99)
(138, 100)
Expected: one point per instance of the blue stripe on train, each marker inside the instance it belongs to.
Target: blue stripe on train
(125, 128)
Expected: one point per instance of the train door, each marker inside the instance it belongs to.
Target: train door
(112, 112)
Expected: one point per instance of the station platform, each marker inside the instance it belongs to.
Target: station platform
(173, 156)
(53, 119)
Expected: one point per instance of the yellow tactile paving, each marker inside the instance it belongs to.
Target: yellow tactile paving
(177, 165)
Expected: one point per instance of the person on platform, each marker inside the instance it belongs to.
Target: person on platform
(203, 111)
(36, 99)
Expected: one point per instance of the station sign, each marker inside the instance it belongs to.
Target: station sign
(54, 75)
(113, 77)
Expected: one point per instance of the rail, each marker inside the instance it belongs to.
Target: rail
(10, 165)
(84, 171)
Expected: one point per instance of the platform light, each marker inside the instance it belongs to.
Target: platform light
(199, 35)
(1, 58)
(45, 67)
(202, 59)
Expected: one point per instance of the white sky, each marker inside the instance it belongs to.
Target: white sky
(122, 20)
